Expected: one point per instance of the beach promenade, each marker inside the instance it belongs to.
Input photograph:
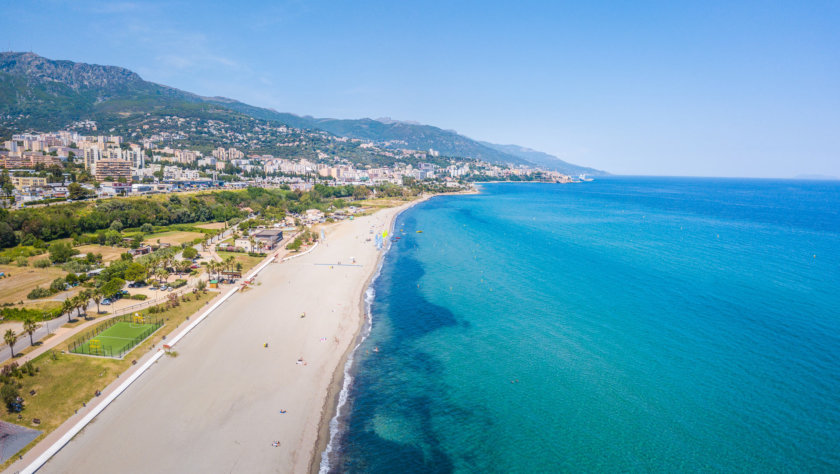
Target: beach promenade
(225, 400)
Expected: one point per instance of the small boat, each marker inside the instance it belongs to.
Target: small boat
(419, 231)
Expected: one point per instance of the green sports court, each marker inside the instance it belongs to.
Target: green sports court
(115, 338)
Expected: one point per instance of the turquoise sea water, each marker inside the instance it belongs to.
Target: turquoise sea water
(628, 324)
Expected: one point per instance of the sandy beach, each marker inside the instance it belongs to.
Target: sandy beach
(224, 402)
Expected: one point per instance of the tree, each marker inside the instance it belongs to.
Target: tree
(147, 228)
(135, 272)
(76, 191)
(60, 252)
(9, 393)
(116, 225)
(162, 274)
(67, 308)
(113, 286)
(7, 236)
(201, 286)
(78, 304)
(97, 297)
(190, 253)
(29, 327)
(10, 337)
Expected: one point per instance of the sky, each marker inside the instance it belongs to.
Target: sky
(658, 88)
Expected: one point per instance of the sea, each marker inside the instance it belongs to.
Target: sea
(629, 324)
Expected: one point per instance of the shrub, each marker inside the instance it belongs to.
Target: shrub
(61, 252)
(179, 283)
(5, 260)
(41, 263)
(76, 266)
(22, 261)
(9, 393)
(147, 228)
(139, 297)
(28, 368)
(22, 314)
(39, 292)
(71, 279)
(57, 285)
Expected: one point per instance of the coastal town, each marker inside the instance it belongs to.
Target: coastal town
(68, 165)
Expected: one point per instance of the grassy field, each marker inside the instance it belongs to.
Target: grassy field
(65, 381)
(173, 237)
(109, 254)
(116, 339)
(23, 279)
(247, 261)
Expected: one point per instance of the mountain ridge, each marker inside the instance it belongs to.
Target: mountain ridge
(36, 92)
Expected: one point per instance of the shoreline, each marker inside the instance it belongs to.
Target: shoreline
(227, 363)
(331, 402)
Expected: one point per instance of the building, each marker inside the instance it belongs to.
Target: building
(91, 156)
(113, 170)
(20, 182)
(269, 238)
(29, 160)
(265, 239)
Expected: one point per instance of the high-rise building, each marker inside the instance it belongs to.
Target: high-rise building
(92, 155)
(108, 169)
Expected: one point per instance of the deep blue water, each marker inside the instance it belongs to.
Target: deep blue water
(627, 324)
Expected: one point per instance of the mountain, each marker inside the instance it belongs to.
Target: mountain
(43, 94)
(544, 160)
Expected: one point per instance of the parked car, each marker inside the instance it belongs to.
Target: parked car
(106, 302)
(153, 288)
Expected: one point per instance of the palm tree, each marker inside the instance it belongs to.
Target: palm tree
(161, 274)
(97, 298)
(251, 240)
(76, 301)
(29, 327)
(10, 339)
(84, 299)
(68, 307)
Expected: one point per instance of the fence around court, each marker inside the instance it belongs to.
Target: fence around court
(78, 346)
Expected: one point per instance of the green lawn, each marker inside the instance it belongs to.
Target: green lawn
(246, 260)
(117, 339)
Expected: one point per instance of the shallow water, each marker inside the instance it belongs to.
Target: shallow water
(627, 324)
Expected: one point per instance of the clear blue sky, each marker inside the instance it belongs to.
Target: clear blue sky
(709, 88)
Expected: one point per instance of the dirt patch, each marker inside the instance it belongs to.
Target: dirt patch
(212, 225)
(14, 288)
(109, 254)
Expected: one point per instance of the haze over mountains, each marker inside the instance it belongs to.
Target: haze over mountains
(44, 94)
